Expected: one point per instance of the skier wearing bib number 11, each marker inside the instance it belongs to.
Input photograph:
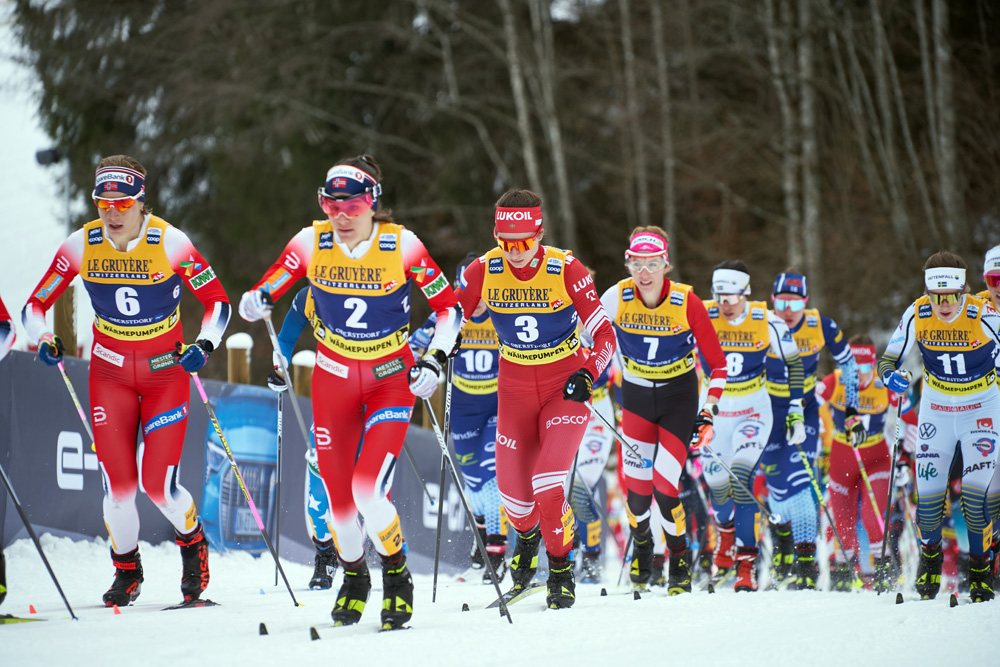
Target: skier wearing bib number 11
(360, 266)
(535, 295)
(957, 335)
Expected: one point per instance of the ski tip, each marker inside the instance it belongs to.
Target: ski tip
(953, 600)
(114, 607)
(636, 596)
(262, 630)
(604, 592)
(711, 589)
(262, 591)
(313, 635)
(31, 609)
(899, 598)
(465, 606)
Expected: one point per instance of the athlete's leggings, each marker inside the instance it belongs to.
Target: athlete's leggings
(474, 432)
(659, 421)
(538, 433)
(847, 489)
(128, 395)
(790, 490)
(352, 405)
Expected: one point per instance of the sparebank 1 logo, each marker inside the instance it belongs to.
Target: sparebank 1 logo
(70, 455)
(985, 446)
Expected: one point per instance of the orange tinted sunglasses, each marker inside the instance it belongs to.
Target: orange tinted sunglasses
(520, 245)
(120, 204)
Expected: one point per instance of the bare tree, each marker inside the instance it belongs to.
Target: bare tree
(666, 132)
(639, 173)
(945, 132)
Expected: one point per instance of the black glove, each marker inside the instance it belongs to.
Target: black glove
(854, 427)
(275, 382)
(579, 386)
(458, 346)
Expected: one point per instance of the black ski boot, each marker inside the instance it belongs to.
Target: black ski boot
(641, 568)
(194, 559)
(496, 549)
(806, 567)
(128, 579)
(353, 593)
(397, 591)
(477, 558)
(656, 576)
(590, 567)
(882, 579)
(524, 563)
(981, 578)
(929, 571)
(326, 566)
(679, 573)
(841, 577)
(561, 584)
(783, 557)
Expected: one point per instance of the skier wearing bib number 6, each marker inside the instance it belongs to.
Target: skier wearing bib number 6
(957, 335)
(535, 295)
(360, 266)
(133, 265)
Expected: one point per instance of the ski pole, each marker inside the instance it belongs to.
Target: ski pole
(239, 478)
(277, 490)
(34, 538)
(288, 380)
(441, 485)
(621, 438)
(871, 492)
(79, 407)
(628, 545)
(771, 516)
(468, 510)
(892, 481)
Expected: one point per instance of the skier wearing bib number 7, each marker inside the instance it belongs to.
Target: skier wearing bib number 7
(535, 295)
(957, 335)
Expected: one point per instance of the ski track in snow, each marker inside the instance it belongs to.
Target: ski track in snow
(766, 628)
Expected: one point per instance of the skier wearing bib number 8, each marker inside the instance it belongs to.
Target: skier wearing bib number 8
(360, 267)
(957, 335)
(747, 330)
(535, 295)
(133, 265)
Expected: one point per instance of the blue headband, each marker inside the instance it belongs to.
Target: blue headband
(344, 181)
(120, 179)
(791, 283)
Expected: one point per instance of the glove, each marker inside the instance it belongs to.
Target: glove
(703, 429)
(425, 373)
(458, 346)
(256, 305)
(50, 349)
(897, 381)
(854, 427)
(903, 476)
(579, 386)
(275, 380)
(795, 424)
(193, 357)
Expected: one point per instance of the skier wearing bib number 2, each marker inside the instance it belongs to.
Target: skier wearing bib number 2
(747, 330)
(360, 266)
(133, 265)
(957, 335)
(535, 295)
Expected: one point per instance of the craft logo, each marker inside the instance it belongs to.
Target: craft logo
(985, 446)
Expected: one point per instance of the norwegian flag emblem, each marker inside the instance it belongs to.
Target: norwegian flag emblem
(338, 183)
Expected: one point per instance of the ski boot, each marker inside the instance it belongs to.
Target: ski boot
(496, 549)
(882, 579)
(784, 553)
(725, 551)
(679, 573)
(326, 566)
(194, 556)
(641, 568)
(353, 593)
(524, 563)
(656, 577)
(397, 591)
(806, 567)
(590, 567)
(981, 578)
(128, 579)
(928, 581)
(477, 558)
(746, 569)
(561, 584)
(841, 577)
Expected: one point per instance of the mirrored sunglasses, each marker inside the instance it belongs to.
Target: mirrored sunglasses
(951, 297)
(794, 305)
(351, 206)
(864, 369)
(520, 245)
(992, 279)
(729, 299)
(118, 203)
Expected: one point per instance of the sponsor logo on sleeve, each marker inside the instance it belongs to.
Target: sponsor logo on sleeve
(326, 240)
(676, 298)
(387, 242)
(496, 264)
(48, 288)
(554, 265)
(436, 286)
(95, 236)
(165, 419)
(924, 311)
(203, 278)
(153, 235)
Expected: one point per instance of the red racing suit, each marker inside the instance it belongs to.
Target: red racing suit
(359, 307)
(7, 332)
(136, 384)
(535, 311)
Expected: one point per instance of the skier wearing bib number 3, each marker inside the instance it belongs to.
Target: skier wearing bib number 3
(535, 295)
(360, 266)
(957, 335)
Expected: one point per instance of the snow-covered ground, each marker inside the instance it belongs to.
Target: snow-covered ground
(767, 628)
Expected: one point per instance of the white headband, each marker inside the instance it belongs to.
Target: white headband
(944, 278)
(992, 261)
(730, 281)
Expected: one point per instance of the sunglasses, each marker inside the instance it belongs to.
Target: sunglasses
(865, 368)
(728, 299)
(794, 305)
(952, 297)
(520, 245)
(653, 265)
(119, 203)
(992, 279)
(350, 206)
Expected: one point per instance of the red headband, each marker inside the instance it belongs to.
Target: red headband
(863, 354)
(518, 220)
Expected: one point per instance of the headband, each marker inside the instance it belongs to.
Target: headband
(344, 181)
(992, 261)
(863, 354)
(518, 220)
(791, 283)
(647, 244)
(120, 179)
(944, 278)
(730, 281)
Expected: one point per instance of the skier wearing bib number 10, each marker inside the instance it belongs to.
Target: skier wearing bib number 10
(535, 295)
(747, 330)
(360, 266)
(133, 265)
(957, 335)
